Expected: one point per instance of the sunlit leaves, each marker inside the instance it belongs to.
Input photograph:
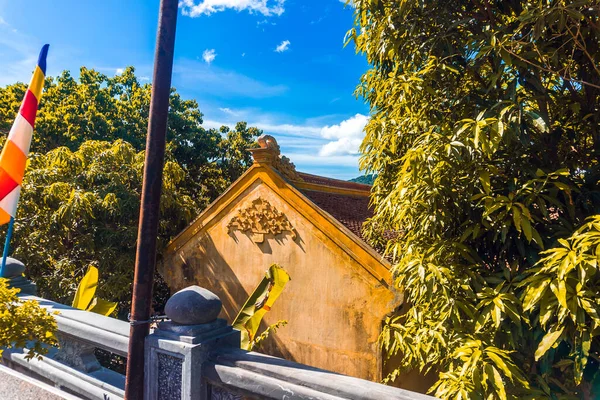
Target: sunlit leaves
(569, 310)
(85, 299)
(81, 193)
(80, 208)
(24, 324)
(484, 139)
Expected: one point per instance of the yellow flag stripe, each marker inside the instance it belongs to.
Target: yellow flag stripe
(37, 83)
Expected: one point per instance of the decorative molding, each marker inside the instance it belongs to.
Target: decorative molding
(269, 153)
(76, 353)
(287, 168)
(268, 142)
(259, 219)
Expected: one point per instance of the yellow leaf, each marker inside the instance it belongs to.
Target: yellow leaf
(484, 178)
(526, 225)
(547, 342)
(100, 306)
(499, 384)
(561, 294)
(86, 289)
(259, 303)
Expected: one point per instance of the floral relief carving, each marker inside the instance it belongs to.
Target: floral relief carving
(259, 219)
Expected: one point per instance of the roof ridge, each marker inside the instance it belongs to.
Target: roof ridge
(333, 182)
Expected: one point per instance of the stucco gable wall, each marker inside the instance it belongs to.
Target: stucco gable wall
(333, 305)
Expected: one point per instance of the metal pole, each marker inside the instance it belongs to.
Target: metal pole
(9, 233)
(145, 259)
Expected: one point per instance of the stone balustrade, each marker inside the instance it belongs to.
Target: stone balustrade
(73, 367)
(193, 355)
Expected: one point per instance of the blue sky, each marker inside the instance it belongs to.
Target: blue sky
(277, 64)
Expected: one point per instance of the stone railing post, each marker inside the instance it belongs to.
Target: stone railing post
(176, 350)
(13, 272)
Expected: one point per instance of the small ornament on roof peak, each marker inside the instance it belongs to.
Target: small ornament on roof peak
(269, 153)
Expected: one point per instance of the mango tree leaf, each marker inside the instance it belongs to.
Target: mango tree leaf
(548, 341)
(499, 384)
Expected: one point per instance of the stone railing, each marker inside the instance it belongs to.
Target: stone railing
(73, 367)
(194, 355)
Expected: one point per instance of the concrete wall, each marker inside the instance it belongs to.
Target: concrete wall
(333, 305)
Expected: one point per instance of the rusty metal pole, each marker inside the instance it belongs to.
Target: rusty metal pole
(145, 259)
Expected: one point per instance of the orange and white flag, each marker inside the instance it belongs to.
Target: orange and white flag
(13, 158)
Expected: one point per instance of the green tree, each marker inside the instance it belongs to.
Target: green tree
(485, 136)
(81, 208)
(81, 193)
(98, 107)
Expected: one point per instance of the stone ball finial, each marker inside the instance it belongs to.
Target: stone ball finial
(13, 268)
(193, 306)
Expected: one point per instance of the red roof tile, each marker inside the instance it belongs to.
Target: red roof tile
(351, 211)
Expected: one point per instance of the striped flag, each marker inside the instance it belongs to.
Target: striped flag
(14, 155)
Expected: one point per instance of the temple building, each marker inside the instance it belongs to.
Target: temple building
(339, 293)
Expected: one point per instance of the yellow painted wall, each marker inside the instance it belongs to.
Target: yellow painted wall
(334, 306)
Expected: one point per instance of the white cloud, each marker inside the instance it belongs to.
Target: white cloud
(209, 55)
(328, 150)
(223, 83)
(304, 131)
(229, 111)
(119, 71)
(3, 22)
(243, 54)
(348, 134)
(283, 46)
(192, 8)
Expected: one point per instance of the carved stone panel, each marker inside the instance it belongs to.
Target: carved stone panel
(259, 219)
(76, 353)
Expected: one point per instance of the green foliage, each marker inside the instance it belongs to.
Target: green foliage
(24, 324)
(81, 208)
(366, 179)
(563, 292)
(81, 192)
(485, 138)
(264, 335)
